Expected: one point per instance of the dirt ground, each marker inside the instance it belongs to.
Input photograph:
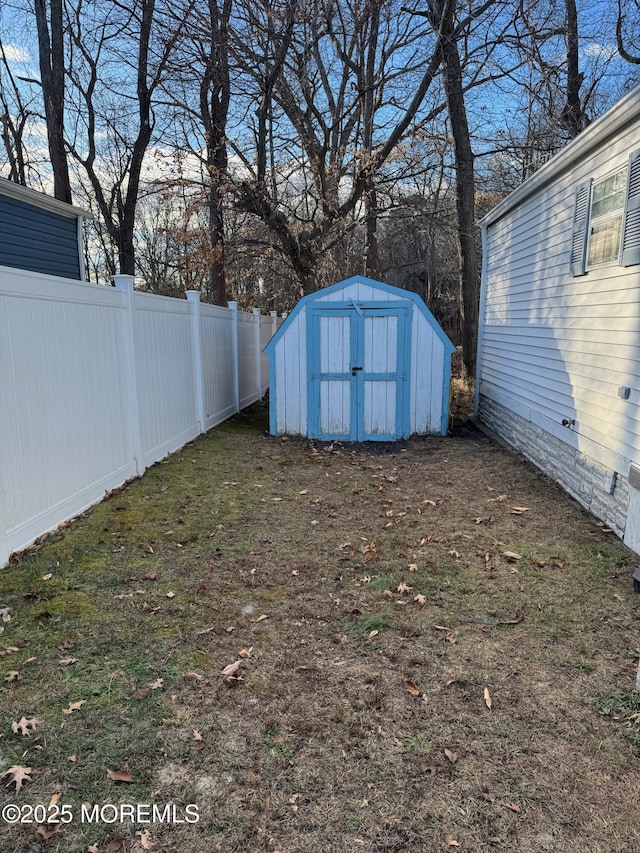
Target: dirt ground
(427, 645)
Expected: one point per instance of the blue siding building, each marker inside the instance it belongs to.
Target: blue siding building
(39, 233)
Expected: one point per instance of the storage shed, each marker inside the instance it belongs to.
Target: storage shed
(359, 361)
(39, 233)
(559, 341)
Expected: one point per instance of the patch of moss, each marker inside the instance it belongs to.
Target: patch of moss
(71, 603)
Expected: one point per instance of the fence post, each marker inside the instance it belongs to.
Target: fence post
(193, 297)
(274, 322)
(125, 284)
(233, 306)
(256, 338)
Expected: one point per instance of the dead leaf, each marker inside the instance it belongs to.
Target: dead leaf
(44, 833)
(403, 587)
(157, 684)
(74, 706)
(511, 555)
(518, 510)
(148, 549)
(93, 848)
(452, 756)
(73, 758)
(24, 726)
(171, 594)
(420, 599)
(115, 845)
(411, 687)
(30, 660)
(67, 661)
(413, 567)
(431, 769)
(245, 653)
(16, 775)
(487, 698)
(260, 618)
(12, 675)
(119, 776)
(232, 668)
(192, 676)
(66, 644)
(197, 735)
(454, 553)
(145, 842)
(512, 806)
(5, 614)
(151, 576)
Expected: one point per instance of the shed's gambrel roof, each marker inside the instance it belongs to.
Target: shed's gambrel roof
(334, 289)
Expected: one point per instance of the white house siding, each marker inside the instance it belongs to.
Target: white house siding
(558, 347)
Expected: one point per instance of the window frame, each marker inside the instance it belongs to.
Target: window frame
(618, 213)
(582, 222)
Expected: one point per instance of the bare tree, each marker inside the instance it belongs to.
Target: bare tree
(51, 54)
(628, 29)
(335, 95)
(15, 114)
(215, 93)
(114, 110)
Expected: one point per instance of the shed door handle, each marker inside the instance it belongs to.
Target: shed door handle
(354, 370)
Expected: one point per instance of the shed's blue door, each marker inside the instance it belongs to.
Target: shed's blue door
(358, 362)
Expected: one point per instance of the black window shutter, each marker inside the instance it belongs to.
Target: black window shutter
(631, 228)
(580, 225)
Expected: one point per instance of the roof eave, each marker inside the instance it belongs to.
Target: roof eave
(619, 116)
(38, 199)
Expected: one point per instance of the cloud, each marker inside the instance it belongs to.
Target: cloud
(15, 53)
(596, 51)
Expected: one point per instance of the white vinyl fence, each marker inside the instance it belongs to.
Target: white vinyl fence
(98, 383)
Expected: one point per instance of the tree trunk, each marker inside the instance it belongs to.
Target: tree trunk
(371, 259)
(51, 58)
(465, 181)
(573, 116)
(214, 107)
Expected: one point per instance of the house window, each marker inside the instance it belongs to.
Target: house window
(605, 225)
(606, 220)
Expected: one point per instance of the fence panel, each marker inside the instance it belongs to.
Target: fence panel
(247, 358)
(98, 383)
(64, 430)
(268, 328)
(164, 374)
(216, 333)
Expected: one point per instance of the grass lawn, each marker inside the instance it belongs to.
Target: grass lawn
(323, 649)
